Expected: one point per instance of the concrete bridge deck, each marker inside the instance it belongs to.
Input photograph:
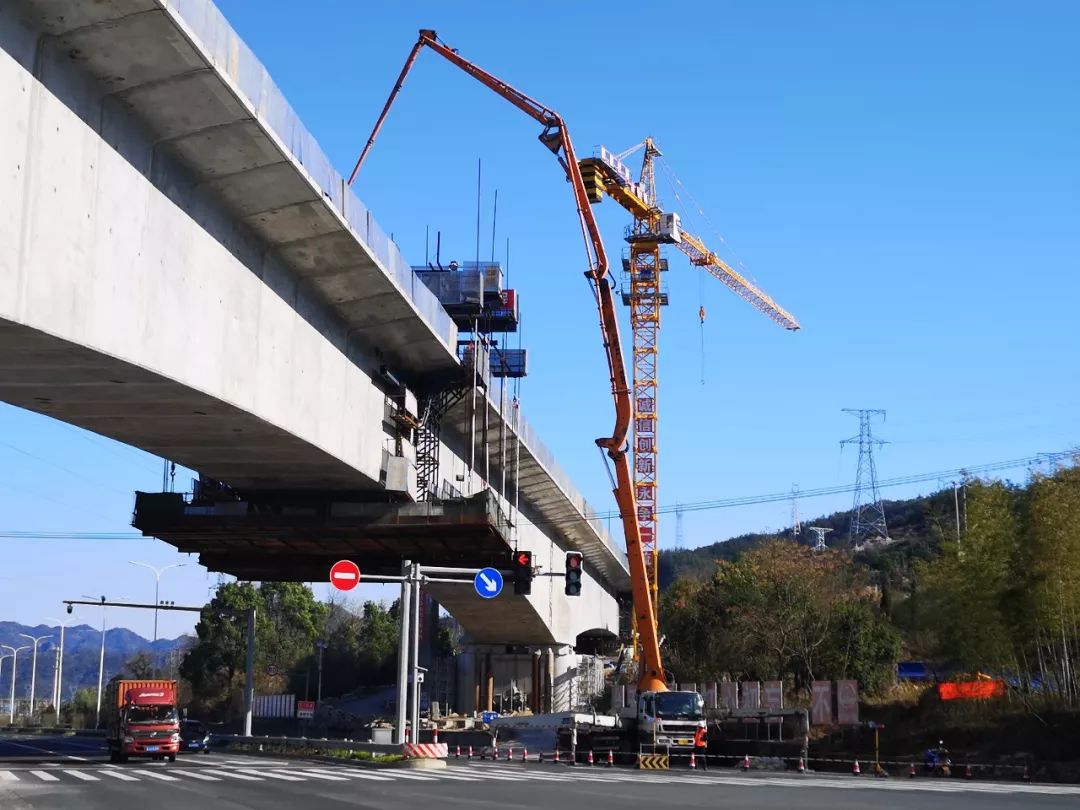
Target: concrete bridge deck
(181, 269)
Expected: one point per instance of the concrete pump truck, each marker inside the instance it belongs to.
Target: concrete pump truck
(660, 719)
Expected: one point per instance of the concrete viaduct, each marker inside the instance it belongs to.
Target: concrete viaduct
(182, 269)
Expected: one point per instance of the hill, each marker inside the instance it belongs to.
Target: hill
(916, 527)
(82, 648)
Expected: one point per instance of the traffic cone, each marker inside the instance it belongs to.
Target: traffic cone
(610, 758)
(556, 755)
(470, 752)
(524, 754)
(457, 752)
(693, 761)
(590, 757)
(435, 735)
(1027, 774)
(541, 760)
(802, 765)
(855, 769)
(911, 771)
(967, 772)
(746, 762)
(510, 753)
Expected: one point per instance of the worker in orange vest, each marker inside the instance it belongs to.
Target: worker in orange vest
(700, 745)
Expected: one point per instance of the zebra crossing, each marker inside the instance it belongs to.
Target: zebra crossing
(270, 772)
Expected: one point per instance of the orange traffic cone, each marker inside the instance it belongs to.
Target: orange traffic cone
(855, 769)
(802, 765)
(746, 762)
(590, 757)
(470, 752)
(509, 753)
(967, 772)
(610, 758)
(457, 752)
(556, 756)
(911, 771)
(435, 735)
(693, 761)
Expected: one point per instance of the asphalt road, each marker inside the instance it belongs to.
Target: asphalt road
(73, 772)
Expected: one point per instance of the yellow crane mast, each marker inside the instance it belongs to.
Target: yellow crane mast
(652, 227)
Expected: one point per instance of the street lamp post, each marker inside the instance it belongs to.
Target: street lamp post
(321, 644)
(101, 663)
(14, 671)
(4, 658)
(33, 668)
(58, 673)
(157, 601)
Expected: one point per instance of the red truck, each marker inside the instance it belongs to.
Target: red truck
(143, 720)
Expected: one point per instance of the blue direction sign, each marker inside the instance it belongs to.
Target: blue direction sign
(488, 582)
(487, 717)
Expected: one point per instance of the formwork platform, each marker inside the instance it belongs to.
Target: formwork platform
(298, 541)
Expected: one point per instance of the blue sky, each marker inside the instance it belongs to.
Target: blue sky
(904, 179)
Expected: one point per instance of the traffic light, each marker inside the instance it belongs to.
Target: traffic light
(523, 573)
(573, 573)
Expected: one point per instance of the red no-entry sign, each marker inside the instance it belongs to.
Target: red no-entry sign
(345, 575)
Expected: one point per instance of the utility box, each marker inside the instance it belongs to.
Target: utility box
(399, 475)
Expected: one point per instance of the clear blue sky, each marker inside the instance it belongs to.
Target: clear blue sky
(905, 179)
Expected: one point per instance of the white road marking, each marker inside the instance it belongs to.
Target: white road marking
(353, 773)
(86, 777)
(196, 775)
(164, 777)
(316, 775)
(45, 776)
(8, 776)
(234, 775)
(273, 775)
(117, 774)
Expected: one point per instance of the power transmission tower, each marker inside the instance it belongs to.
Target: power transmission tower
(868, 512)
(819, 532)
(678, 527)
(796, 524)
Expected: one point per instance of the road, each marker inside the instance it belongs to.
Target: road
(54, 773)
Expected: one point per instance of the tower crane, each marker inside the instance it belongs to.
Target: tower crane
(652, 227)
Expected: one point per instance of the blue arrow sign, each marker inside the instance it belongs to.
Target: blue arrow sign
(488, 582)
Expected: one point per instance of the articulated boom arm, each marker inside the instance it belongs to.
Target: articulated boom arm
(556, 138)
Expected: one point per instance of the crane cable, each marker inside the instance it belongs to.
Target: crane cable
(676, 184)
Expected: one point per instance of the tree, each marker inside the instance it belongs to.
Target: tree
(288, 621)
(780, 611)
(140, 666)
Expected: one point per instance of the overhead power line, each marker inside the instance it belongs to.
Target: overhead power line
(698, 506)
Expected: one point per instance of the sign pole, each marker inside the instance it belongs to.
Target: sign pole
(403, 654)
(249, 672)
(414, 654)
